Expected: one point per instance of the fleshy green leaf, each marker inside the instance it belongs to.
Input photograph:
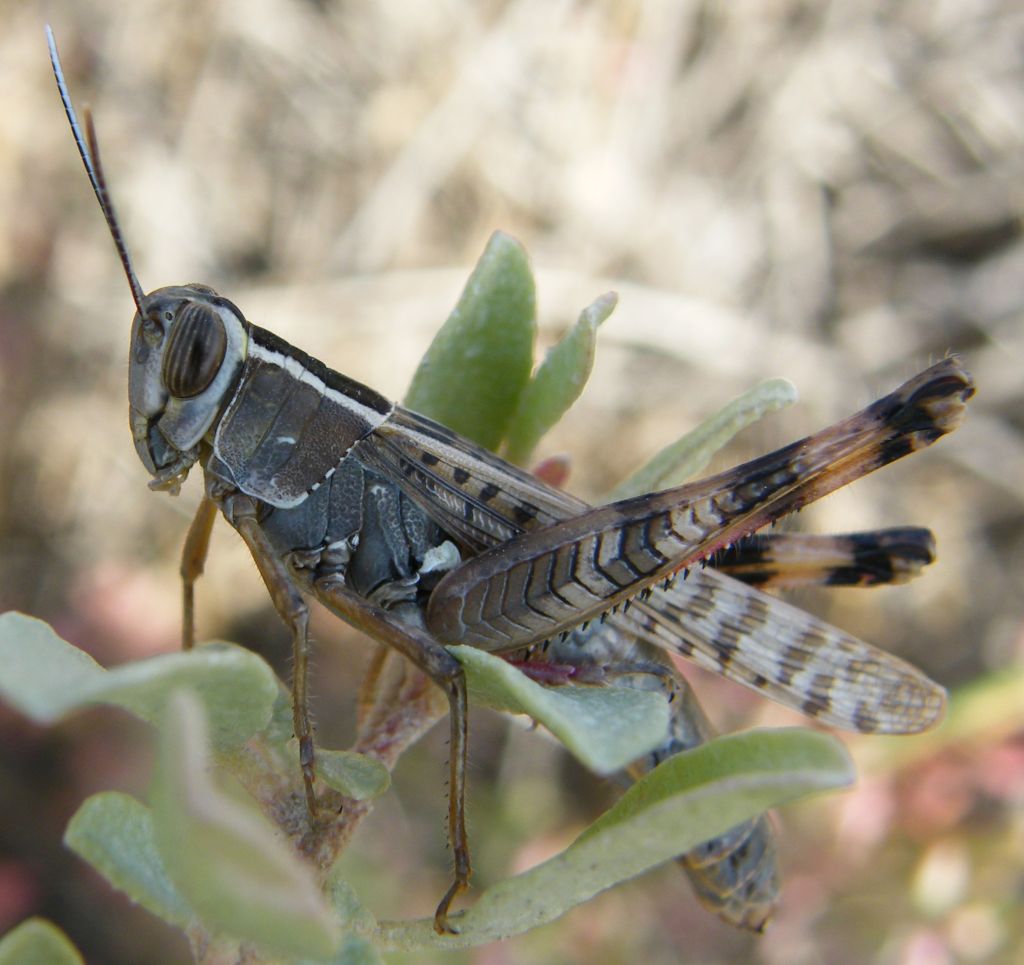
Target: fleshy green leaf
(38, 942)
(355, 775)
(558, 382)
(114, 833)
(40, 674)
(354, 950)
(475, 370)
(237, 688)
(350, 912)
(604, 727)
(223, 856)
(688, 455)
(686, 800)
(45, 678)
(356, 921)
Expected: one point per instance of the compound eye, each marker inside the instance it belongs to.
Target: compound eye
(195, 351)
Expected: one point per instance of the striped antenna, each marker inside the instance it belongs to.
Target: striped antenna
(88, 149)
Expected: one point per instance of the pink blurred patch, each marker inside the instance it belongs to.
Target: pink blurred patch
(1000, 770)
(125, 614)
(19, 894)
(865, 817)
(554, 470)
(925, 947)
(936, 796)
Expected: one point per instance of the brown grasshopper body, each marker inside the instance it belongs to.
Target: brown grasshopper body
(422, 539)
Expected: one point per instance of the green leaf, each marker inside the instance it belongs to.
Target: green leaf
(558, 381)
(688, 799)
(688, 455)
(475, 370)
(114, 833)
(356, 948)
(603, 727)
(224, 857)
(40, 674)
(38, 942)
(237, 688)
(347, 907)
(45, 678)
(355, 775)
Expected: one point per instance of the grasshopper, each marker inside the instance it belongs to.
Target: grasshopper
(422, 539)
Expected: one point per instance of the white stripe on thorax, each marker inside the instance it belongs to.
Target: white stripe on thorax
(298, 371)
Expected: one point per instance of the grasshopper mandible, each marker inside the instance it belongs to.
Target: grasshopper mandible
(422, 539)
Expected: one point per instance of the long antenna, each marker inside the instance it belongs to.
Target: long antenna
(88, 148)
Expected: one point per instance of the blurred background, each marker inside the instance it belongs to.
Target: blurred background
(822, 190)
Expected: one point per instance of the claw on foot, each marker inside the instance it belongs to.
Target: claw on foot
(441, 924)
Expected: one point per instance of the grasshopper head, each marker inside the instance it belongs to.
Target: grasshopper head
(187, 348)
(187, 342)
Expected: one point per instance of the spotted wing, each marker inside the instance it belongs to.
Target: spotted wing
(787, 654)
